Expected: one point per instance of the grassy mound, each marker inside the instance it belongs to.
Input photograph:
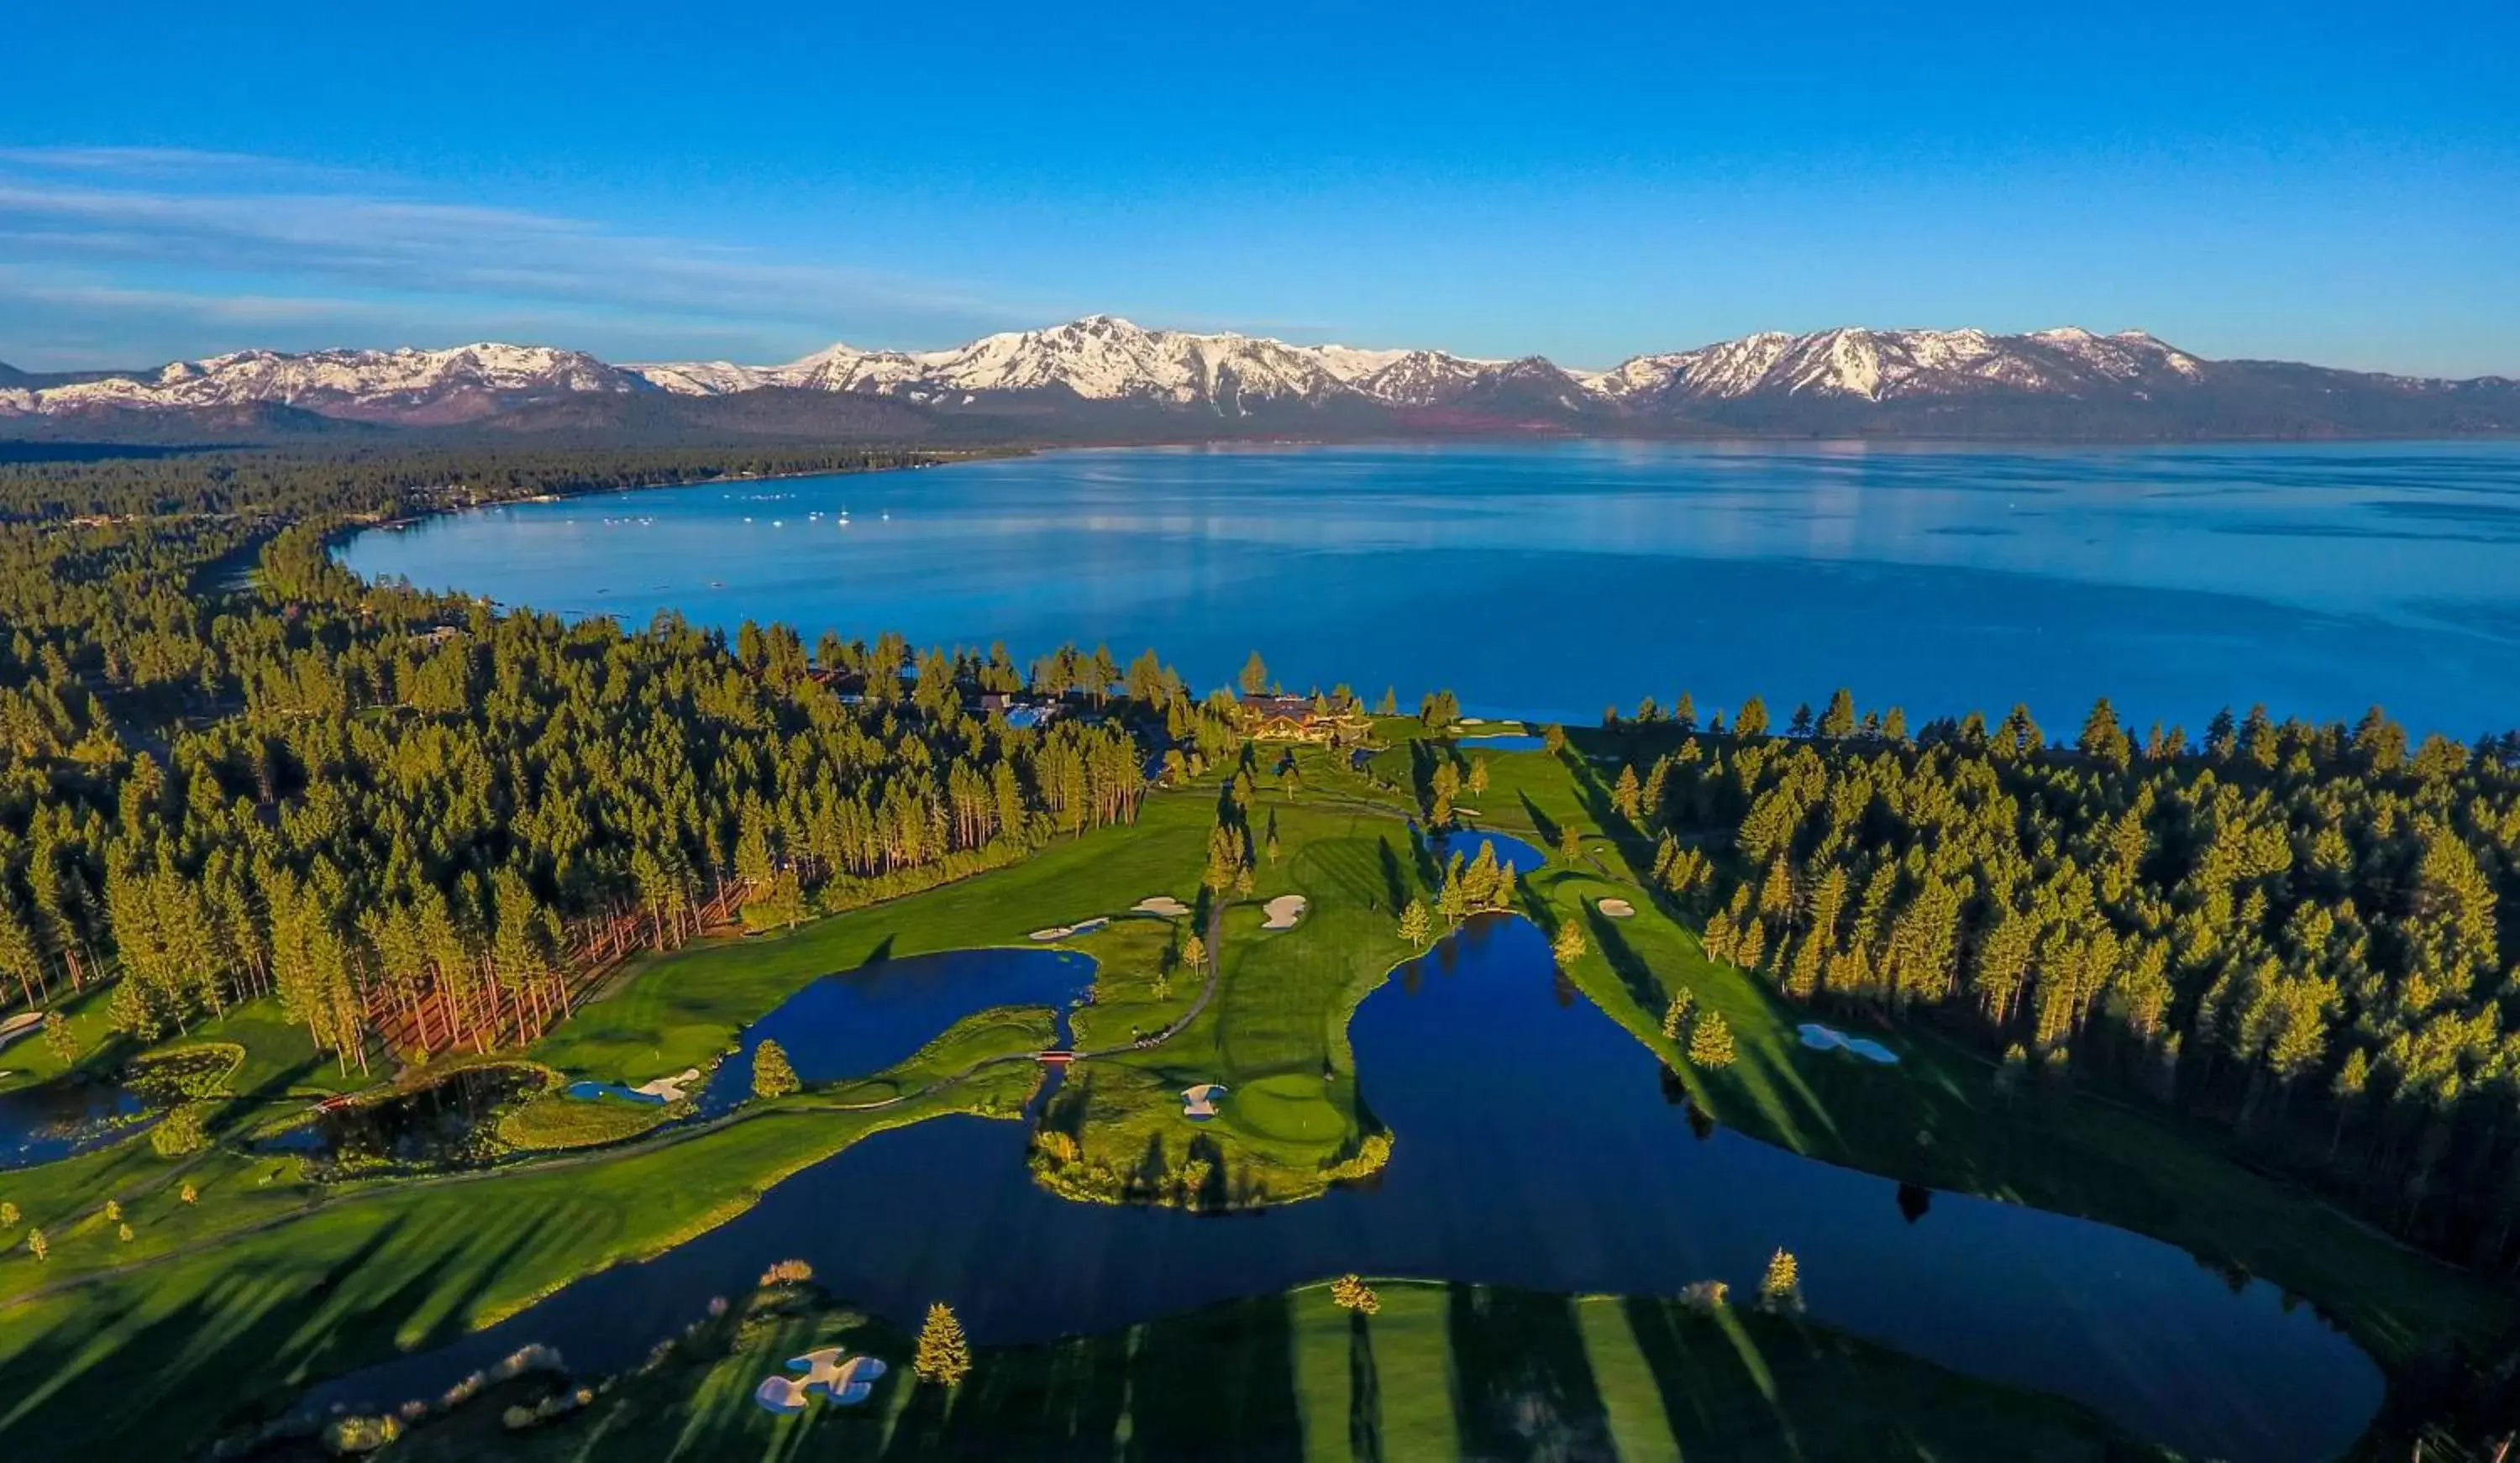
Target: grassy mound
(556, 1120)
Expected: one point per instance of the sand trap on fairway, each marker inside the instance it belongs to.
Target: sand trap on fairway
(20, 1025)
(1062, 931)
(1285, 911)
(1824, 1038)
(669, 1089)
(1162, 904)
(1617, 908)
(845, 1382)
(1198, 1103)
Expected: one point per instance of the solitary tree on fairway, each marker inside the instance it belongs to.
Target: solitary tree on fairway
(60, 1039)
(8, 1214)
(1710, 1041)
(944, 1357)
(1415, 924)
(1569, 944)
(1675, 1016)
(772, 1074)
(1351, 1293)
(37, 1245)
(1782, 1288)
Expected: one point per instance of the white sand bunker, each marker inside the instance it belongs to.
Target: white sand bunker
(1162, 904)
(1062, 931)
(1821, 1038)
(1198, 1103)
(1617, 908)
(845, 1382)
(20, 1025)
(1285, 911)
(669, 1089)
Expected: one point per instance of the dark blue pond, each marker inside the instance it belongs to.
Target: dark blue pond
(62, 1118)
(865, 1020)
(1536, 1146)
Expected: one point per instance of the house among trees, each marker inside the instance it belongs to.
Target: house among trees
(1283, 718)
(1018, 710)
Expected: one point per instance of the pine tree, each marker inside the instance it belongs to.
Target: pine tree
(772, 1074)
(1415, 924)
(944, 1357)
(1838, 721)
(1255, 675)
(1675, 1016)
(1710, 1041)
(8, 1214)
(60, 1039)
(1781, 1287)
(37, 1245)
(1568, 947)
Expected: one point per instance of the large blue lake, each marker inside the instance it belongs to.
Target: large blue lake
(1551, 580)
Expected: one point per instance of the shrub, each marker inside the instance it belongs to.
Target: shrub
(181, 1132)
(1350, 1293)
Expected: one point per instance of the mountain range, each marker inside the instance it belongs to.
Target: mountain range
(1104, 378)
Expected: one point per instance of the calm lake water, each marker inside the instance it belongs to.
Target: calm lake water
(1550, 580)
(64, 1117)
(881, 1013)
(1536, 1146)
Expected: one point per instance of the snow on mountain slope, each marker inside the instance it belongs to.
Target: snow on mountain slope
(1829, 379)
(1105, 358)
(407, 385)
(1883, 365)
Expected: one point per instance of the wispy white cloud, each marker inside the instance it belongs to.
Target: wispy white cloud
(148, 253)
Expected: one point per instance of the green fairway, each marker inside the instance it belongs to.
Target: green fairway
(267, 1280)
(1441, 1373)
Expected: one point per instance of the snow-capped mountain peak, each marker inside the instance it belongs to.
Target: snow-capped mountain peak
(456, 384)
(1849, 379)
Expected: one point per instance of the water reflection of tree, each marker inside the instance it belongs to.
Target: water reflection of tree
(1914, 1200)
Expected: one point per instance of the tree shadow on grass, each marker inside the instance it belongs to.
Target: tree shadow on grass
(1541, 822)
(1635, 976)
(235, 1354)
(1523, 1384)
(1364, 1392)
(1395, 884)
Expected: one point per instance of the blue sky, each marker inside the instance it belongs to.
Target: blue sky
(2331, 182)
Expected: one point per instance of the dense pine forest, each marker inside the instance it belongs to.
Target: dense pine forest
(229, 767)
(2299, 932)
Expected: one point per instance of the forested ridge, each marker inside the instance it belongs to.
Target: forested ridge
(420, 822)
(2300, 931)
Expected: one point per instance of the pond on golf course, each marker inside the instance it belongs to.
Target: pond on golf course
(63, 1118)
(881, 1013)
(1536, 1146)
